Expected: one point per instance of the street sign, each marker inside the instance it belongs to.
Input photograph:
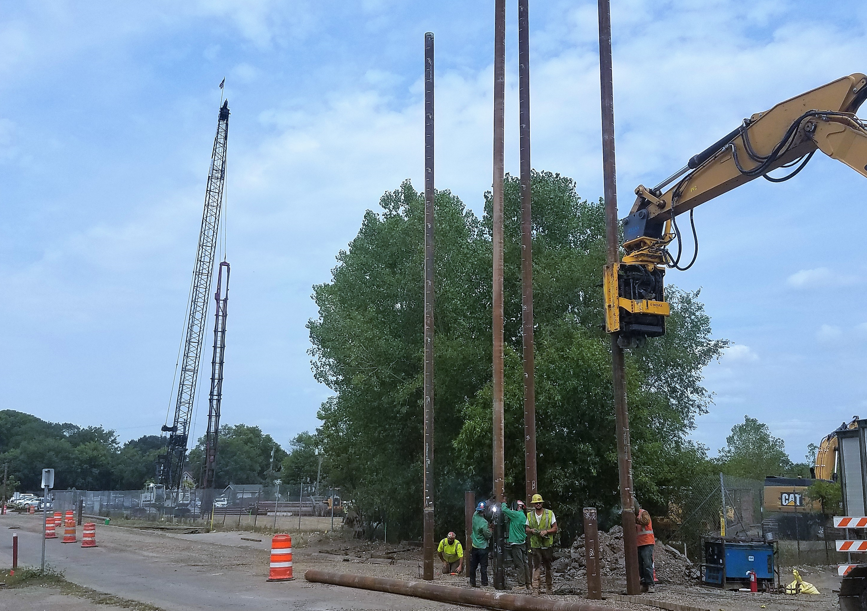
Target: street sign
(48, 478)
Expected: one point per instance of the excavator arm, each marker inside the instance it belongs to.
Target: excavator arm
(785, 136)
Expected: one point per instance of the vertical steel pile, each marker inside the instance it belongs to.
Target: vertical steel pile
(497, 217)
(591, 554)
(428, 305)
(527, 252)
(609, 168)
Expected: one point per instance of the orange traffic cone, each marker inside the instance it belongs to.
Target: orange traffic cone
(281, 558)
(69, 533)
(50, 532)
(88, 535)
(69, 516)
(32, 509)
(58, 519)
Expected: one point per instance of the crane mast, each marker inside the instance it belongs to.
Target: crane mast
(171, 463)
(216, 394)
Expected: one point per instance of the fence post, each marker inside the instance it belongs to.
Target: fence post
(722, 490)
(300, 500)
(256, 514)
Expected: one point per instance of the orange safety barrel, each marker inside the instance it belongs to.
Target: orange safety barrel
(69, 532)
(50, 532)
(281, 558)
(69, 516)
(58, 519)
(32, 509)
(88, 535)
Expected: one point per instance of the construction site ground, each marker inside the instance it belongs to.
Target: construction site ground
(174, 570)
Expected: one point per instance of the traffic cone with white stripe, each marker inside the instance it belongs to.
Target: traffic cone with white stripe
(50, 532)
(88, 535)
(58, 519)
(281, 558)
(69, 533)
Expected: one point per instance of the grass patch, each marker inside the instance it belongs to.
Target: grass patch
(27, 577)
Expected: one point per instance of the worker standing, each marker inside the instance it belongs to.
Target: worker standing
(451, 552)
(518, 540)
(541, 526)
(645, 541)
(481, 535)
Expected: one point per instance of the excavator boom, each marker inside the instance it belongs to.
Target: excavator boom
(785, 136)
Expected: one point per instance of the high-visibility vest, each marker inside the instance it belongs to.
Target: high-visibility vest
(644, 534)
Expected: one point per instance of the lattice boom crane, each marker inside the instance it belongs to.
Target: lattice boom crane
(170, 469)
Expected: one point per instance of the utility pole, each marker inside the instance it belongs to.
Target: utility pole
(612, 231)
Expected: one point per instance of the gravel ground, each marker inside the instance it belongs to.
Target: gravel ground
(244, 556)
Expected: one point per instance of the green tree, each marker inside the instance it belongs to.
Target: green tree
(367, 347)
(243, 456)
(302, 462)
(828, 494)
(752, 452)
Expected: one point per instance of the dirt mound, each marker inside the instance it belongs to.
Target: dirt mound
(671, 566)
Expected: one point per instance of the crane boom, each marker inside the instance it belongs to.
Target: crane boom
(216, 394)
(171, 464)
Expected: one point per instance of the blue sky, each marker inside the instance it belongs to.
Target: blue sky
(108, 112)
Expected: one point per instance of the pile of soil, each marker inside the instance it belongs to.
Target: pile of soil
(671, 566)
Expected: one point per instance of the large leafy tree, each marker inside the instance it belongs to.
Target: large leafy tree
(305, 461)
(244, 456)
(752, 452)
(367, 347)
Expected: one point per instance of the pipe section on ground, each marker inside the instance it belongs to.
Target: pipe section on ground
(450, 594)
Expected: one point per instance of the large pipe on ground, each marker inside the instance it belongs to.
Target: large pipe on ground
(450, 594)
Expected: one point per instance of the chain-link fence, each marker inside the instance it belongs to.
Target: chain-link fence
(283, 506)
(715, 505)
(738, 509)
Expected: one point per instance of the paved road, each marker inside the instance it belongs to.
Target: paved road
(181, 575)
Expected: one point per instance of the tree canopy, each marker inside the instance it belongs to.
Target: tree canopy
(367, 347)
(752, 452)
(86, 458)
(244, 456)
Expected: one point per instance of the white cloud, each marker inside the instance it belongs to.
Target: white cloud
(740, 353)
(819, 277)
(829, 333)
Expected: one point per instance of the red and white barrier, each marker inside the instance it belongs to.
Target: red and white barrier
(850, 522)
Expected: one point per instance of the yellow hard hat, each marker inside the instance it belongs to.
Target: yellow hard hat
(537, 498)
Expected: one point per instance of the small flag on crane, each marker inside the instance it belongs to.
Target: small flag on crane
(223, 82)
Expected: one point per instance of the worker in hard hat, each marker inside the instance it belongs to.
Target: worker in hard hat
(517, 542)
(646, 542)
(451, 553)
(481, 535)
(541, 526)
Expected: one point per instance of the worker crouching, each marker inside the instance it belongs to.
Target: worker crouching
(451, 553)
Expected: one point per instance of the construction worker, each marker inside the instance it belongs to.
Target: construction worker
(451, 552)
(645, 541)
(481, 535)
(541, 526)
(518, 540)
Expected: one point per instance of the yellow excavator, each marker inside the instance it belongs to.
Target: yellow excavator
(784, 137)
(827, 463)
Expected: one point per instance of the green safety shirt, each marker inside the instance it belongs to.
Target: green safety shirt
(517, 522)
(543, 522)
(453, 552)
(481, 531)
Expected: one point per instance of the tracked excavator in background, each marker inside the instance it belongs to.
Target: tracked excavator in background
(786, 136)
